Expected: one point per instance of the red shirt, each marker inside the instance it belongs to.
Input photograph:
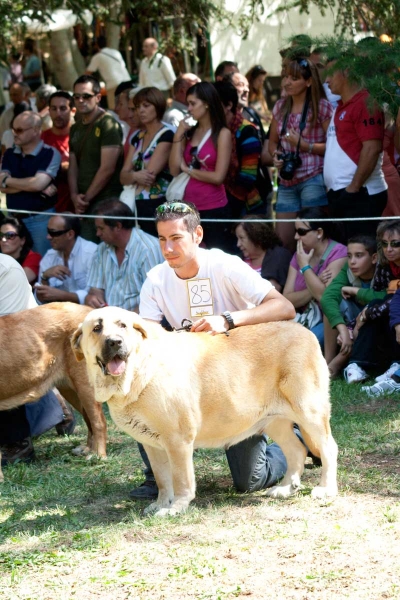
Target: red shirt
(61, 143)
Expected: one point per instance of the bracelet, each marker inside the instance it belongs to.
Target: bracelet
(310, 147)
(4, 182)
(304, 269)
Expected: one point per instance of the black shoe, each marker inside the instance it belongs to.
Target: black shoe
(19, 452)
(147, 490)
(67, 425)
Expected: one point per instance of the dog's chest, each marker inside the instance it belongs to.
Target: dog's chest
(133, 424)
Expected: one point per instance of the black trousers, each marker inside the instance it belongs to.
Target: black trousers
(14, 425)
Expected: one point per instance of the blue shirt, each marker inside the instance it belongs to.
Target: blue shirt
(43, 159)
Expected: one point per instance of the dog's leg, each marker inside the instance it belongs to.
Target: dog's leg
(281, 431)
(319, 435)
(162, 473)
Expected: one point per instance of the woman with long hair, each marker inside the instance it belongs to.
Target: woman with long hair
(298, 153)
(256, 77)
(208, 165)
(146, 165)
(16, 241)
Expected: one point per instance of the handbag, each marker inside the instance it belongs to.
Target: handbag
(128, 194)
(312, 314)
(177, 187)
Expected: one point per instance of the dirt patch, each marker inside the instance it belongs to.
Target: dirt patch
(373, 406)
(384, 462)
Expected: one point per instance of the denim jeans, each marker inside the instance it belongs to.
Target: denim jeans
(306, 194)
(253, 463)
(37, 227)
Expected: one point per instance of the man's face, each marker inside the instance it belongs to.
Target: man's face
(107, 234)
(86, 101)
(336, 79)
(60, 112)
(122, 107)
(242, 86)
(178, 246)
(148, 48)
(16, 94)
(24, 132)
(60, 242)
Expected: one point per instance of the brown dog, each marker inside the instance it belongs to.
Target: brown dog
(174, 392)
(37, 355)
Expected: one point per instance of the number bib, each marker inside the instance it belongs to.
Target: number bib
(200, 298)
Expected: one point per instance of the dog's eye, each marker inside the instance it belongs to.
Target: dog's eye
(97, 328)
(123, 325)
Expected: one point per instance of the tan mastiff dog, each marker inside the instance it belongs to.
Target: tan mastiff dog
(174, 392)
(37, 356)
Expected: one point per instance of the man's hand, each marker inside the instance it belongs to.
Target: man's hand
(94, 301)
(349, 292)
(81, 205)
(326, 276)
(344, 339)
(59, 271)
(397, 330)
(213, 325)
(45, 293)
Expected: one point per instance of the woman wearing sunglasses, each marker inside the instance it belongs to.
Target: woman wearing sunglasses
(298, 152)
(204, 153)
(16, 241)
(317, 261)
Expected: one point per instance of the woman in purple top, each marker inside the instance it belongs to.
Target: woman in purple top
(207, 166)
(317, 261)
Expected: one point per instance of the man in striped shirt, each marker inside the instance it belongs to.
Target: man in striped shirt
(122, 260)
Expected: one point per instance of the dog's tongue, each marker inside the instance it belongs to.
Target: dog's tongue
(116, 366)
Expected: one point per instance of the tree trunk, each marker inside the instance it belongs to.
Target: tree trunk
(79, 61)
(113, 29)
(63, 62)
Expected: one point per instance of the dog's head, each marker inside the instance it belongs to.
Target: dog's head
(106, 338)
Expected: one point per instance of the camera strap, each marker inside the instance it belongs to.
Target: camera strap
(302, 125)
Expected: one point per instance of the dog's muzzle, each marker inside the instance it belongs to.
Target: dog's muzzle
(113, 357)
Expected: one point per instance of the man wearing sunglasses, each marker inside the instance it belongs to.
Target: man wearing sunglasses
(216, 292)
(64, 270)
(96, 154)
(27, 175)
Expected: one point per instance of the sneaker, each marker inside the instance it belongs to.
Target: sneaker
(19, 452)
(148, 490)
(387, 374)
(384, 387)
(354, 374)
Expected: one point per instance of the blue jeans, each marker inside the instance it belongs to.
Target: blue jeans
(253, 463)
(37, 227)
(306, 194)
(318, 331)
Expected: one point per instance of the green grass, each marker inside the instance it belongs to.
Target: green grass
(68, 530)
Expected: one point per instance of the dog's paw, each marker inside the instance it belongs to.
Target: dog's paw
(151, 509)
(282, 491)
(320, 492)
(81, 451)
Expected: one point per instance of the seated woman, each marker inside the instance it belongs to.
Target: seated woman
(299, 155)
(16, 241)
(207, 166)
(262, 250)
(317, 261)
(146, 166)
(370, 349)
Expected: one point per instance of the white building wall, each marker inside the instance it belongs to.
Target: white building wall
(266, 37)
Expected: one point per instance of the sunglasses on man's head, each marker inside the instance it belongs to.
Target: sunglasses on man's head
(302, 231)
(175, 207)
(54, 233)
(391, 243)
(10, 235)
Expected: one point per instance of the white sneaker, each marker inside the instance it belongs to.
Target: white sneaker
(389, 386)
(354, 374)
(387, 374)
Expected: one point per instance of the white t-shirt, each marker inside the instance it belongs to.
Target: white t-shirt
(223, 282)
(157, 71)
(110, 64)
(15, 291)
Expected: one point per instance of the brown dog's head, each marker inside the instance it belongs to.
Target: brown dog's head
(106, 338)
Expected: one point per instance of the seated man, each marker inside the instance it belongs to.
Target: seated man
(217, 292)
(64, 270)
(122, 260)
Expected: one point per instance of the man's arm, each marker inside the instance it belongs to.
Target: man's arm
(108, 163)
(46, 293)
(367, 162)
(28, 184)
(78, 199)
(95, 298)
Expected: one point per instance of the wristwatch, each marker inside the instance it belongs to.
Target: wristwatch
(4, 182)
(227, 315)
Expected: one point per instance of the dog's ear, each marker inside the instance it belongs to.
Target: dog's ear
(140, 325)
(76, 344)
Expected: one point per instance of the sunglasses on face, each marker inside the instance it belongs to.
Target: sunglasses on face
(301, 231)
(10, 235)
(19, 130)
(175, 207)
(54, 233)
(83, 96)
(391, 243)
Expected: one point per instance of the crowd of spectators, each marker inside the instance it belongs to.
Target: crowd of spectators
(82, 184)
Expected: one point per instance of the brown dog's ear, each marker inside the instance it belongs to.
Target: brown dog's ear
(140, 325)
(76, 344)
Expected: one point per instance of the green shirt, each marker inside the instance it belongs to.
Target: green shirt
(106, 132)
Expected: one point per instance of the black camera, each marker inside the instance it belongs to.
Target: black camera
(291, 161)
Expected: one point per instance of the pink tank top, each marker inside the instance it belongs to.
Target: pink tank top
(205, 196)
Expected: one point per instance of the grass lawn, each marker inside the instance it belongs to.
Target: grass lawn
(67, 530)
